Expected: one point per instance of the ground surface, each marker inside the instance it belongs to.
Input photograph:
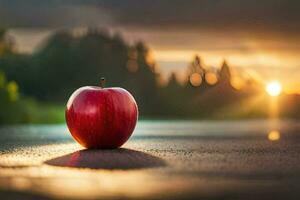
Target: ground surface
(163, 160)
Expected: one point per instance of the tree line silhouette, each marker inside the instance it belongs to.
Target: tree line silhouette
(67, 61)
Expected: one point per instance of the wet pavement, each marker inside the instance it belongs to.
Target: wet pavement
(256, 159)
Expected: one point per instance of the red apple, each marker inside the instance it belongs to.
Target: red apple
(100, 117)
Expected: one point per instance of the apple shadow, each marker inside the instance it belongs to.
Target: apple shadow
(117, 159)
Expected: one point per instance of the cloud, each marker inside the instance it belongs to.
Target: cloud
(278, 15)
(51, 14)
(190, 24)
(252, 34)
(208, 14)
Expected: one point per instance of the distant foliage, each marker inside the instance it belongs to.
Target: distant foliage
(6, 43)
(9, 94)
(68, 60)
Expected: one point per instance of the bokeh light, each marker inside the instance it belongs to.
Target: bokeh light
(13, 88)
(237, 83)
(274, 135)
(211, 78)
(195, 79)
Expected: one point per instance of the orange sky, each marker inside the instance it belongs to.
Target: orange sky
(260, 39)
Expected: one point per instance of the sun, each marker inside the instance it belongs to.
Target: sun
(274, 88)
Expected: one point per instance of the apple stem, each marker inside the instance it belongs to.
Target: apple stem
(102, 82)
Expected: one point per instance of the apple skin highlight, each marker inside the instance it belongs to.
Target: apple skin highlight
(102, 118)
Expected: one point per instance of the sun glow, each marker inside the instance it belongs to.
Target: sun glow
(274, 88)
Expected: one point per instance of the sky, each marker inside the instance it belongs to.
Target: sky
(259, 39)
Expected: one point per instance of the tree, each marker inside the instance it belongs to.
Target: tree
(143, 82)
(225, 74)
(6, 43)
(195, 72)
